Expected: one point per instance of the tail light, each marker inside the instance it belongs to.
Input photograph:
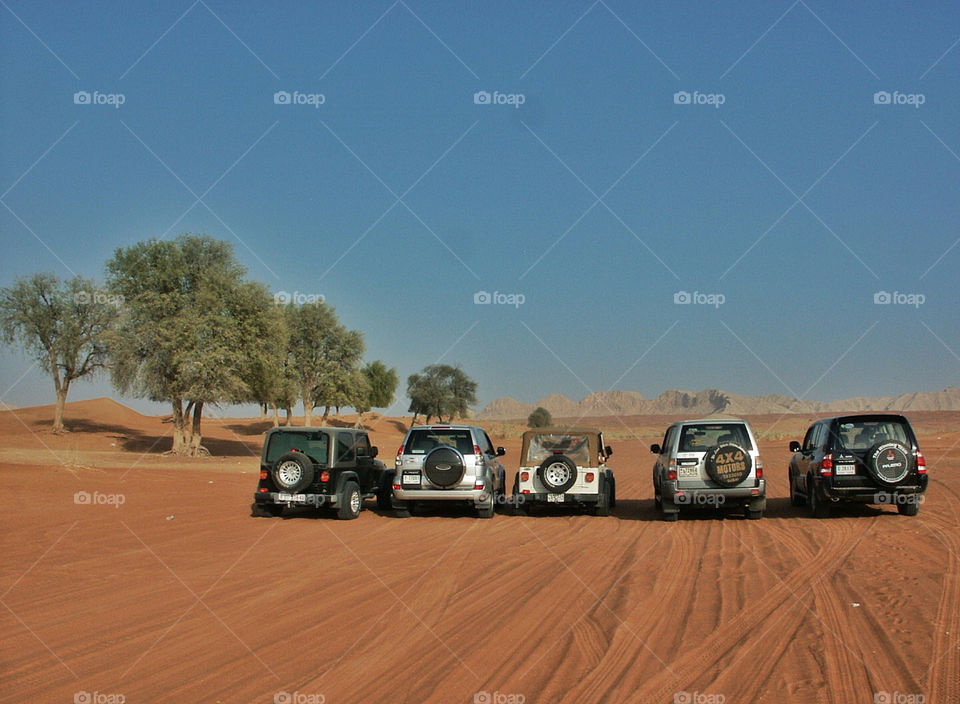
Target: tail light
(476, 449)
(826, 465)
(478, 484)
(524, 476)
(263, 474)
(590, 476)
(672, 470)
(399, 454)
(263, 490)
(921, 463)
(396, 486)
(759, 469)
(324, 477)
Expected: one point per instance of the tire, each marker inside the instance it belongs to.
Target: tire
(613, 492)
(603, 503)
(818, 507)
(266, 510)
(401, 509)
(292, 472)
(670, 516)
(519, 505)
(444, 466)
(558, 473)
(728, 464)
(888, 463)
(351, 501)
(911, 508)
(486, 511)
(753, 515)
(385, 492)
(795, 498)
(500, 497)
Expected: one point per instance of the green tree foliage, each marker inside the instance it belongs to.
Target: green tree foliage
(191, 329)
(63, 326)
(383, 384)
(441, 390)
(540, 418)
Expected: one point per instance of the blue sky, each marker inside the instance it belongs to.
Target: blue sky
(742, 152)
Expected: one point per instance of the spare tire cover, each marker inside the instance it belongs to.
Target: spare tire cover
(444, 466)
(889, 462)
(728, 464)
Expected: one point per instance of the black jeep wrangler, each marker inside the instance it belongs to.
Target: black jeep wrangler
(320, 467)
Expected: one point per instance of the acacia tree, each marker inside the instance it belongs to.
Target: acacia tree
(342, 384)
(539, 418)
(381, 387)
(441, 390)
(190, 327)
(62, 325)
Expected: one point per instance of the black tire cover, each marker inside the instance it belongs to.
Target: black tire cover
(281, 473)
(570, 471)
(889, 462)
(444, 466)
(728, 464)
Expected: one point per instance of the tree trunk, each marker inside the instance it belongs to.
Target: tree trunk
(289, 419)
(307, 411)
(276, 416)
(326, 412)
(195, 434)
(58, 411)
(179, 439)
(263, 411)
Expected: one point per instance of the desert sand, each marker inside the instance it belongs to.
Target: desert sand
(163, 589)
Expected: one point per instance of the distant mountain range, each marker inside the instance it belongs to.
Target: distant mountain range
(710, 401)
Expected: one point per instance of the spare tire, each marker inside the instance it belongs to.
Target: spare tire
(292, 472)
(557, 473)
(728, 464)
(889, 462)
(444, 466)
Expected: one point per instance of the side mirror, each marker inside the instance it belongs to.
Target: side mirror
(374, 451)
(655, 448)
(794, 446)
(608, 451)
(501, 452)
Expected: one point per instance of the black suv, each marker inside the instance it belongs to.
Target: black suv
(870, 458)
(320, 467)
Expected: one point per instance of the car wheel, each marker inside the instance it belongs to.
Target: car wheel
(911, 508)
(444, 466)
(818, 507)
(670, 516)
(753, 515)
(351, 502)
(486, 511)
(292, 472)
(385, 492)
(613, 492)
(795, 498)
(603, 503)
(558, 473)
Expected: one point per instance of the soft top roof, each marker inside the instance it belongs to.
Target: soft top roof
(593, 441)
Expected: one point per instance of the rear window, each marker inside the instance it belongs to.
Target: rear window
(422, 440)
(313, 445)
(576, 446)
(701, 437)
(861, 435)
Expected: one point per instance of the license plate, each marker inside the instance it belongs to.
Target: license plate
(846, 469)
(688, 471)
(299, 498)
(413, 478)
(555, 498)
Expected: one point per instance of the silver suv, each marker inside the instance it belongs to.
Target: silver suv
(448, 463)
(709, 463)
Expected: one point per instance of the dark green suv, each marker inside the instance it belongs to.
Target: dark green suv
(320, 467)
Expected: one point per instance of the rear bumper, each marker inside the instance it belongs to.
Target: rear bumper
(564, 498)
(675, 497)
(475, 496)
(870, 493)
(284, 499)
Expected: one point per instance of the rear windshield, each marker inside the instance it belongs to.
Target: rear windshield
(701, 437)
(574, 445)
(313, 445)
(422, 440)
(861, 435)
